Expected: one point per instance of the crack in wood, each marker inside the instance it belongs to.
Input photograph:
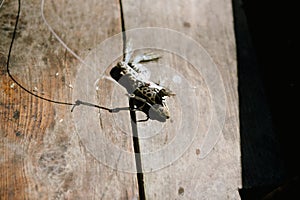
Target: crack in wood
(135, 136)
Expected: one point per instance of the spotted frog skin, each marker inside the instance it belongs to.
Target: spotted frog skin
(144, 95)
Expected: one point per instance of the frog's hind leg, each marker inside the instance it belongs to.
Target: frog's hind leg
(146, 57)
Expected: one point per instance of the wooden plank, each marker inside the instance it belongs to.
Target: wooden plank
(42, 154)
(188, 174)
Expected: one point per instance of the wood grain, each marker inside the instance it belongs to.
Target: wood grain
(42, 156)
(47, 152)
(218, 176)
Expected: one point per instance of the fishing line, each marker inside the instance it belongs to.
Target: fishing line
(78, 102)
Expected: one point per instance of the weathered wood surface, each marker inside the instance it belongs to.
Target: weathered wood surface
(42, 156)
(48, 152)
(218, 175)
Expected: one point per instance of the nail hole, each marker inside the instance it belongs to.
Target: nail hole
(181, 191)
